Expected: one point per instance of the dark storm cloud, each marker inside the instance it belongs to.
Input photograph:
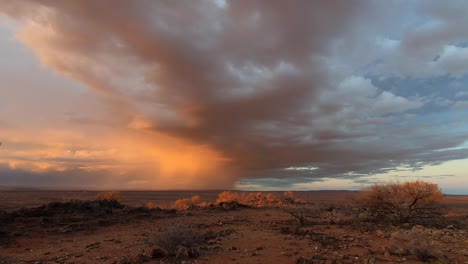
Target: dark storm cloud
(251, 79)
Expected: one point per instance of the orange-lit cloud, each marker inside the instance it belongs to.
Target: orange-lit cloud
(133, 159)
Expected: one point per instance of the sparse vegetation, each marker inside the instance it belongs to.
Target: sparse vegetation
(228, 196)
(110, 196)
(289, 197)
(257, 199)
(174, 238)
(187, 203)
(321, 230)
(401, 202)
(302, 215)
(151, 205)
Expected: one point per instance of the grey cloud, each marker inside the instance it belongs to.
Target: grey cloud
(461, 94)
(460, 105)
(253, 79)
(429, 40)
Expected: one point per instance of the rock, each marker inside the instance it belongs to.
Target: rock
(182, 253)
(398, 249)
(379, 233)
(418, 228)
(157, 253)
(386, 254)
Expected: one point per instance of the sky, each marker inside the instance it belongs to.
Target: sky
(253, 95)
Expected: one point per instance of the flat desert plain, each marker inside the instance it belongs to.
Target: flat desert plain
(313, 227)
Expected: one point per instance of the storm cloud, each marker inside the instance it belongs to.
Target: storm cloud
(290, 90)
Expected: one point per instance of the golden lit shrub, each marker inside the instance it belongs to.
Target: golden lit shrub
(228, 196)
(186, 203)
(289, 197)
(401, 202)
(150, 205)
(182, 204)
(110, 196)
(196, 200)
(252, 199)
(270, 198)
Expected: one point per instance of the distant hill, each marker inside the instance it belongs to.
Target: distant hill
(16, 188)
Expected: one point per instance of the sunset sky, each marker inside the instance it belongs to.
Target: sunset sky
(255, 95)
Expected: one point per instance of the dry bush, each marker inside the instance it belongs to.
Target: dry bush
(400, 203)
(182, 204)
(228, 196)
(187, 203)
(110, 196)
(300, 215)
(175, 237)
(425, 254)
(151, 205)
(418, 242)
(305, 216)
(196, 199)
(251, 199)
(290, 198)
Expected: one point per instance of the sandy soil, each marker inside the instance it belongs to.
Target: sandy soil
(102, 233)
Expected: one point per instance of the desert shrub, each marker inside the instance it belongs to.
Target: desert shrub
(418, 242)
(174, 237)
(250, 199)
(228, 196)
(182, 204)
(151, 205)
(289, 197)
(300, 215)
(401, 202)
(305, 216)
(187, 203)
(110, 196)
(196, 199)
(270, 198)
(425, 254)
